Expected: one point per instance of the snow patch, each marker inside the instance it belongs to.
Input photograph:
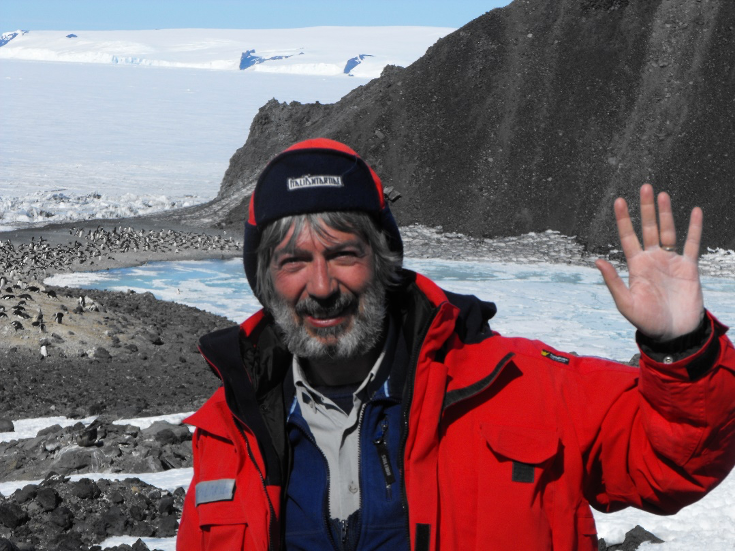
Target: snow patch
(148, 421)
(169, 480)
(28, 428)
(153, 543)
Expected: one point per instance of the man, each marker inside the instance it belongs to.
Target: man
(366, 408)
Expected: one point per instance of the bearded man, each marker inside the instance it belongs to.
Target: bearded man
(366, 408)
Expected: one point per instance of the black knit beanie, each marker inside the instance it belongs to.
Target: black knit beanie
(315, 176)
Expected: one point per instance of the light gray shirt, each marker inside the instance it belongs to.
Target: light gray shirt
(337, 434)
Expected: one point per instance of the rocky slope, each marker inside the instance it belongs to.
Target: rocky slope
(122, 354)
(534, 117)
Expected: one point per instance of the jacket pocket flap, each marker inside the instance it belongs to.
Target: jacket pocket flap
(221, 512)
(522, 444)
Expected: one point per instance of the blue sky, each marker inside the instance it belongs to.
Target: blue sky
(234, 14)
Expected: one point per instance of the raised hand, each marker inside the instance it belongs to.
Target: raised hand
(663, 298)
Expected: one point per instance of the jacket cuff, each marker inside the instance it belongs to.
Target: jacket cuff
(699, 348)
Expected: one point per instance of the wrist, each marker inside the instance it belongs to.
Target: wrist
(671, 350)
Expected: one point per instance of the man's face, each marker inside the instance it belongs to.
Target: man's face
(328, 301)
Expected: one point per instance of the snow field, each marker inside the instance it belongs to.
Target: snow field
(320, 51)
(110, 124)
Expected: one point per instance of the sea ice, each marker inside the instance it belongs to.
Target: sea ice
(566, 306)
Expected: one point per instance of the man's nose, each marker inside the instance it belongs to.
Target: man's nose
(321, 284)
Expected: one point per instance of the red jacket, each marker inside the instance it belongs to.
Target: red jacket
(508, 441)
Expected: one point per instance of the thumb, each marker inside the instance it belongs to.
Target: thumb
(619, 291)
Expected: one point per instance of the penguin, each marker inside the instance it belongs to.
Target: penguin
(58, 316)
(38, 319)
(17, 325)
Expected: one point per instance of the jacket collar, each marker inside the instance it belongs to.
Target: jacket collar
(253, 363)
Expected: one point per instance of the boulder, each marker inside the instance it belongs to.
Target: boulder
(28, 492)
(12, 515)
(167, 526)
(51, 430)
(85, 489)
(180, 431)
(115, 521)
(6, 544)
(47, 498)
(62, 517)
(74, 459)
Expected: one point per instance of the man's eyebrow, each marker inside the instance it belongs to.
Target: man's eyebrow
(278, 253)
(356, 243)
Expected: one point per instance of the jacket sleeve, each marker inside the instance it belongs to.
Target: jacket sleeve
(665, 438)
(189, 536)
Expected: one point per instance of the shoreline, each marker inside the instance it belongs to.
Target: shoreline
(96, 245)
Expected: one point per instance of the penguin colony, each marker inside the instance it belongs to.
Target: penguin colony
(39, 258)
(18, 304)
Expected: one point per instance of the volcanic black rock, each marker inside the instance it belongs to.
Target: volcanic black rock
(536, 116)
(12, 515)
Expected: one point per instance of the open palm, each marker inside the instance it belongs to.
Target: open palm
(663, 298)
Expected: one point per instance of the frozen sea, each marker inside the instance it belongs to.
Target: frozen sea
(569, 307)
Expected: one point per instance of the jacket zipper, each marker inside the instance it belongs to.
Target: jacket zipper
(325, 507)
(410, 377)
(271, 523)
(345, 535)
(240, 425)
(384, 456)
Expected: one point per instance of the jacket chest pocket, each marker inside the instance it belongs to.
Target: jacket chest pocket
(524, 454)
(515, 483)
(222, 522)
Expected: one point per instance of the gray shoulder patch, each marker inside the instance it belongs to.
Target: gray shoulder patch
(215, 491)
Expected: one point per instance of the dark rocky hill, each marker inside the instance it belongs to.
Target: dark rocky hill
(536, 116)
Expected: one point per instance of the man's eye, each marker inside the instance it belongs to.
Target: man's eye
(288, 262)
(345, 255)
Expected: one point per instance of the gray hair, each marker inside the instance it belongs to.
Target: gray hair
(386, 261)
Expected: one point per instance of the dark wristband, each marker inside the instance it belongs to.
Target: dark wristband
(678, 348)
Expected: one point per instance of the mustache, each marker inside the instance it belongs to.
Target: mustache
(327, 308)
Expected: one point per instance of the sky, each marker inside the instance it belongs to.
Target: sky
(234, 14)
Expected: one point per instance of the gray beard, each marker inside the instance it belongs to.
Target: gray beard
(360, 338)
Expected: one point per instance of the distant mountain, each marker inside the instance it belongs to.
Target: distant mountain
(536, 116)
(7, 37)
(323, 51)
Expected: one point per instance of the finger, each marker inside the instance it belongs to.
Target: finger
(615, 284)
(628, 239)
(649, 227)
(667, 229)
(694, 234)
